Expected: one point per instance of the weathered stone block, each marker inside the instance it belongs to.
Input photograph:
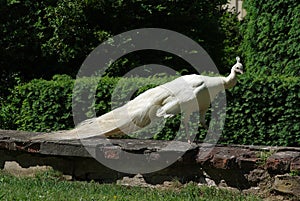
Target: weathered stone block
(295, 164)
(287, 184)
(279, 163)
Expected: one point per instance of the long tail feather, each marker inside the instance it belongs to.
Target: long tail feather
(116, 122)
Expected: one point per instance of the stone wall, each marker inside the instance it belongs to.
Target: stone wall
(263, 170)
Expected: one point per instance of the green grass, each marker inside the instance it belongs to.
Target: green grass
(50, 186)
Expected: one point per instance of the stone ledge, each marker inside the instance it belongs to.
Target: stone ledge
(239, 166)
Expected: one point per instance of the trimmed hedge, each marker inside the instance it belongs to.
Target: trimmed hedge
(39, 105)
(261, 111)
(264, 111)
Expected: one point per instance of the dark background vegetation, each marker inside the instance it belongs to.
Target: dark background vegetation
(42, 40)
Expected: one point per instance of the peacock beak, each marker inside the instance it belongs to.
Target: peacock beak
(240, 71)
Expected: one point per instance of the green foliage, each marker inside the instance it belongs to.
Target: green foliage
(98, 93)
(43, 38)
(263, 156)
(39, 105)
(7, 81)
(264, 110)
(295, 173)
(69, 35)
(271, 37)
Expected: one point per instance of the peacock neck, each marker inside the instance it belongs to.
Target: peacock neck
(231, 80)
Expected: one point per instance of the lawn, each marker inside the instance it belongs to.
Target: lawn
(50, 186)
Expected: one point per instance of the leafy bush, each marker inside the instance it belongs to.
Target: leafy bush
(261, 111)
(271, 37)
(43, 38)
(264, 111)
(39, 105)
(7, 81)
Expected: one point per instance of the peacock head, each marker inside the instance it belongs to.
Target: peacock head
(238, 67)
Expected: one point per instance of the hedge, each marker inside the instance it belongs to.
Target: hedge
(271, 34)
(264, 111)
(260, 111)
(39, 105)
